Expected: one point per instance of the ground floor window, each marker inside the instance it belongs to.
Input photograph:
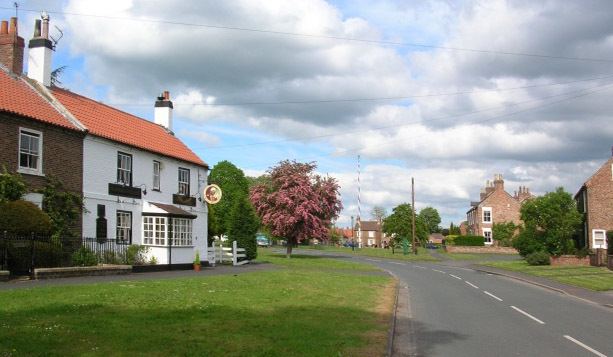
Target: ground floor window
(487, 234)
(156, 231)
(182, 231)
(599, 239)
(124, 227)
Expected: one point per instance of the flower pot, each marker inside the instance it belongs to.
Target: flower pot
(196, 267)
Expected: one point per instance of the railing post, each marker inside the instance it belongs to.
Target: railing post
(5, 252)
(234, 252)
(32, 251)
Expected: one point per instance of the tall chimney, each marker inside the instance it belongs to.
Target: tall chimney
(163, 111)
(498, 182)
(41, 48)
(11, 46)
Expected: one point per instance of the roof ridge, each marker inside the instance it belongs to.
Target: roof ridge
(597, 171)
(50, 98)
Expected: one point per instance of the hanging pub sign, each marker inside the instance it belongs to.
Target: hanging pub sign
(212, 194)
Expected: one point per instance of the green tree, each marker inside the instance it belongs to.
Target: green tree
(550, 221)
(503, 232)
(334, 236)
(63, 207)
(244, 225)
(399, 225)
(431, 219)
(234, 186)
(213, 224)
(12, 187)
(453, 229)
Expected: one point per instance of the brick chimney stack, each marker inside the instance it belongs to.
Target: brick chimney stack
(498, 182)
(163, 111)
(489, 187)
(523, 194)
(11, 46)
(41, 49)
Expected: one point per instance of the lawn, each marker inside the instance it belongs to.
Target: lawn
(309, 306)
(422, 253)
(594, 278)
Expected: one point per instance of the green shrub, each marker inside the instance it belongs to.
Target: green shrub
(136, 254)
(84, 257)
(538, 258)
(12, 187)
(23, 218)
(610, 242)
(503, 233)
(450, 239)
(469, 241)
(526, 243)
(583, 252)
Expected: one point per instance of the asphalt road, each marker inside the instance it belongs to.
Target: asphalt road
(456, 311)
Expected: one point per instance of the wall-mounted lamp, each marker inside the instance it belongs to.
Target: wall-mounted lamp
(143, 189)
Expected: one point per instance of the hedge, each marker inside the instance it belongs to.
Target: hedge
(469, 241)
(610, 242)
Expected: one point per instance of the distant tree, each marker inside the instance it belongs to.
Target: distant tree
(234, 186)
(431, 218)
(334, 236)
(244, 225)
(550, 221)
(260, 180)
(296, 203)
(503, 232)
(12, 187)
(454, 230)
(399, 225)
(378, 213)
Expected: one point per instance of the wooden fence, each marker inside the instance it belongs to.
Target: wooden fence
(220, 254)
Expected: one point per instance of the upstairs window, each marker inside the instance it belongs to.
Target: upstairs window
(487, 215)
(184, 181)
(30, 151)
(124, 168)
(156, 175)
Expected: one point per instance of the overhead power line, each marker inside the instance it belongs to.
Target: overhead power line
(330, 37)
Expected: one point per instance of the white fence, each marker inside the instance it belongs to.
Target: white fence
(219, 254)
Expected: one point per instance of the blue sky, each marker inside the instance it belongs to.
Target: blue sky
(503, 122)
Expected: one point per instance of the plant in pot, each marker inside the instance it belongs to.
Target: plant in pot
(197, 262)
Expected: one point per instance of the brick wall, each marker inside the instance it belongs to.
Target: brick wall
(62, 153)
(600, 200)
(11, 47)
(569, 260)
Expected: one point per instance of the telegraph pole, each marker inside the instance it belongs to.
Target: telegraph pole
(413, 212)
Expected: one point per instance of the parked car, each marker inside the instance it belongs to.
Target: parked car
(261, 240)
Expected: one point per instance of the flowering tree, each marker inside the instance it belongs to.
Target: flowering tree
(296, 203)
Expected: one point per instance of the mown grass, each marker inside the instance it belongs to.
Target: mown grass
(593, 278)
(422, 253)
(310, 306)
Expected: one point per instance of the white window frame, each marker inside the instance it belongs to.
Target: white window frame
(39, 164)
(486, 209)
(155, 230)
(182, 231)
(485, 236)
(604, 237)
(157, 168)
(184, 186)
(371, 234)
(124, 173)
(123, 227)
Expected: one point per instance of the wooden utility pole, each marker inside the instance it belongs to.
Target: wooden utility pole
(413, 212)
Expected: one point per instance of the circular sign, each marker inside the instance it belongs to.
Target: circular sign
(212, 194)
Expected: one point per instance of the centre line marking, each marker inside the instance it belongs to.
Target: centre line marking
(584, 346)
(420, 267)
(455, 276)
(528, 315)
(397, 263)
(471, 284)
(439, 271)
(492, 295)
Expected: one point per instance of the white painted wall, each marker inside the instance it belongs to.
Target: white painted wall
(100, 169)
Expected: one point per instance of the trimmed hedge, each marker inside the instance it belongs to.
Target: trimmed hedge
(469, 241)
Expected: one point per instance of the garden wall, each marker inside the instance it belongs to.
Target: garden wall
(4, 275)
(570, 260)
(52, 273)
(480, 250)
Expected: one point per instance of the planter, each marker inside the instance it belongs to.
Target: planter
(196, 267)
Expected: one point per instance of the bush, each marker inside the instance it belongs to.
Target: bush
(469, 241)
(450, 239)
(23, 218)
(503, 233)
(538, 258)
(84, 257)
(136, 254)
(526, 243)
(610, 242)
(12, 187)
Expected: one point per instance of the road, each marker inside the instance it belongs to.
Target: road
(456, 311)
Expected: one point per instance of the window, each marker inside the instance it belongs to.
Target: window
(156, 175)
(599, 239)
(124, 227)
(487, 234)
(124, 168)
(30, 151)
(154, 230)
(184, 182)
(371, 234)
(487, 214)
(182, 231)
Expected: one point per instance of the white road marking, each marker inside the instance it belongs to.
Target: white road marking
(371, 260)
(420, 267)
(439, 271)
(455, 276)
(397, 263)
(471, 284)
(492, 295)
(528, 315)
(490, 274)
(584, 346)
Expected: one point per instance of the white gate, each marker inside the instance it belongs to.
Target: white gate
(219, 254)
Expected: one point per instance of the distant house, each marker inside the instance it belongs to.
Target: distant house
(436, 238)
(595, 202)
(495, 205)
(369, 234)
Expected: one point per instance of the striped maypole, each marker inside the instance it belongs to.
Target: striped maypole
(359, 208)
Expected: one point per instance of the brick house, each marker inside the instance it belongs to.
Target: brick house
(369, 234)
(140, 184)
(495, 205)
(595, 202)
(38, 140)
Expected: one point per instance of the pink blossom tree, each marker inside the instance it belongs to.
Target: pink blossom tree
(295, 203)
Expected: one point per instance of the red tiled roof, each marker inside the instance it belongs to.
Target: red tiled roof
(19, 97)
(110, 123)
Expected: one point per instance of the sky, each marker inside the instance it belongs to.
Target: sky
(446, 92)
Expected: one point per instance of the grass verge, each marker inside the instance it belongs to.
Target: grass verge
(593, 278)
(310, 307)
(422, 253)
